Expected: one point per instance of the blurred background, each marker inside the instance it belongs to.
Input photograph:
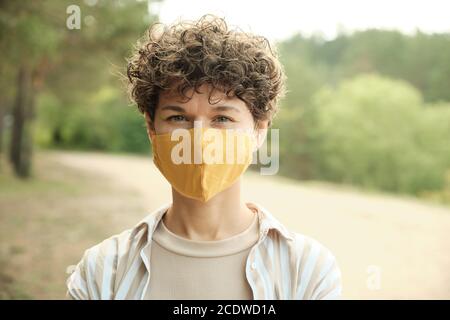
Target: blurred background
(364, 136)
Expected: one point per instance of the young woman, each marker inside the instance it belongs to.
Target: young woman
(191, 80)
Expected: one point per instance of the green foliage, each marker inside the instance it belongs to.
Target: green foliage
(104, 122)
(26, 36)
(376, 132)
(344, 118)
(421, 59)
(305, 76)
(442, 196)
(79, 100)
(338, 123)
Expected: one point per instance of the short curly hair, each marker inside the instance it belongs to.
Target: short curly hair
(187, 54)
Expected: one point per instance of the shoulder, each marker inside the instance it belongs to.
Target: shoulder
(94, 275)
(311, 269)
(317, 270)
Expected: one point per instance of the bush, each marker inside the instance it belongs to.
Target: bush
(376, 132)
(105, 123)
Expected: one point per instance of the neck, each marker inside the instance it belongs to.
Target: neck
(221, 217)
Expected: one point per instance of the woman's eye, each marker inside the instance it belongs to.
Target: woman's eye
(176, 118)
(222, 119)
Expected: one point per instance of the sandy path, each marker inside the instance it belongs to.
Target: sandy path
(387, 247)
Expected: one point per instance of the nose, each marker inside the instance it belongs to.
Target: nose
(200, 122)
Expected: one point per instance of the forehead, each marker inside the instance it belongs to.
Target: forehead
(205, 92)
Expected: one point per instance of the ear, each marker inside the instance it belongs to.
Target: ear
(261, 133)
(149, 124)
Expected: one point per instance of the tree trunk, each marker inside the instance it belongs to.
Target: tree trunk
(2, 116)
(21, 137)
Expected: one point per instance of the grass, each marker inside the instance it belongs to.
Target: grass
(46, 223)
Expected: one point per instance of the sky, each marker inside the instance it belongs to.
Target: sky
(278, 20)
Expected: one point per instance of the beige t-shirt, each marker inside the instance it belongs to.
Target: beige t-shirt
(189, 269)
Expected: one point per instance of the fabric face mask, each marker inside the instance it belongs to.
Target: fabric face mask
(201, 162)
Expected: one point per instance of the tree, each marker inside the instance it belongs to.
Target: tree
(47, 55)
(376, 132)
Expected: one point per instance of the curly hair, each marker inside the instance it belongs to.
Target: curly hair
(187, 54)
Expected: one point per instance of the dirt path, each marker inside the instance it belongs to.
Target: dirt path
(387, 247)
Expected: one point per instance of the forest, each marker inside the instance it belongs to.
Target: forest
(369, 108)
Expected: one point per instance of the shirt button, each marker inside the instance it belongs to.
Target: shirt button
(253, 265)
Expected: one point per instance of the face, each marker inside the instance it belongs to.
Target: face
(228, 113)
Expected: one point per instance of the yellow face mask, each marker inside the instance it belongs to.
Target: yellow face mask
(201, 162)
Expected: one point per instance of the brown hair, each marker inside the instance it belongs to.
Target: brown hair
(188, 54)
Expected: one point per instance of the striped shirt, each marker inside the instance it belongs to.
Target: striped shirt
(281, 265)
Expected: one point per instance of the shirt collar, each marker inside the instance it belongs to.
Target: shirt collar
(266, 222)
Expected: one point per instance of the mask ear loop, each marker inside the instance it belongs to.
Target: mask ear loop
(255, 136)
(150, 124)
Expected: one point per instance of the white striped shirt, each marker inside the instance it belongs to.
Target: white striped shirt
(281, 265)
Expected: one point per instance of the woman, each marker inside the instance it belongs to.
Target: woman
(194, 81)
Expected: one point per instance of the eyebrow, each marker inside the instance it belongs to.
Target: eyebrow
(225, 108)
(174, 108)
(216, 108)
